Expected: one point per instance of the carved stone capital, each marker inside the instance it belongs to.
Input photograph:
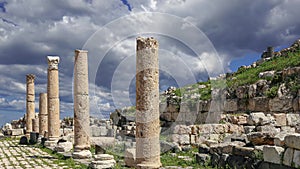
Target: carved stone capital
(30, 78)
(53, 62)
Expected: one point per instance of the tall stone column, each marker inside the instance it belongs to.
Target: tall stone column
(30, 107)
(81, 106)
(53, 99)
(43, 115)
(147, 104)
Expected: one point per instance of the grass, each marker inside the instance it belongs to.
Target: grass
(247, 76)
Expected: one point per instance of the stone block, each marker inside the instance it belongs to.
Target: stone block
(259, 138)
(225, 148)
(281, 104)
(268, 129)
(273, 154)
(280, 119)
(231, 105)
(258, 118)
(202, 159)
(64, 147)
(17, 132)
(296, 158)
(249, 129)
(288, 157)
(105, 164)
(243, 151)
(203, 148)
(279, 139)
(292, 119)
(103, 157)
(292, 141)
(288, 129)
(258, 104)
(184, 139)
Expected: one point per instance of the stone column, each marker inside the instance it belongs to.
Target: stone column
(53, 99)
(81, 106)
(43, 115)
(35, 123)
(30, 107)
(147, 104)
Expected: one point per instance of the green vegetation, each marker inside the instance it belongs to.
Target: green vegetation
(249, 76)
(61, 160)
(272, 92)
(172, 159)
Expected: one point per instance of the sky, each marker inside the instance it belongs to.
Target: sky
(197, 39)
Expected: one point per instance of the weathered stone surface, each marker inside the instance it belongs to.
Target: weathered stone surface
(288, 157)
(273, 154)
(53, 98)
(259, 104)
(230, 105)
(105, 164)
(283, 104)
(279, 139)
(103, 157)
(204, 106)
(258, 138)
(17, 132)
(83, 154)
(288, 129)
(268, 129)
(225, 147)
(249, 129)
(202, 158)
(30, 106)
(81, 104)
(280, 119)
(243, 151)
(296, 159)
(64, 147)
(130, 157)
(43, 115)
(292, 119)
(242, 92)
(203, 148)
(147, 103)
(293, 141)
(258, 119)
(266, 74)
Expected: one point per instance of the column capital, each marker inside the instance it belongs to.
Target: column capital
(30, 78)
(143, 43)
(53, 62)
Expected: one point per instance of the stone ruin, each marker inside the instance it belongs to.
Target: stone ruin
(224, 134)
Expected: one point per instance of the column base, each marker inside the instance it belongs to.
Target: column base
(148, 166)
(83, 154)
(51, 142)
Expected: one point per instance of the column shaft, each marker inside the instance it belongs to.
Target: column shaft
(43, 115)
(81, 105)
(30, 107)
(53, 98)
(147, 104)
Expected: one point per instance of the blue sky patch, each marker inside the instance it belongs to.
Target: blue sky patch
(2, 6)
(125, 2)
